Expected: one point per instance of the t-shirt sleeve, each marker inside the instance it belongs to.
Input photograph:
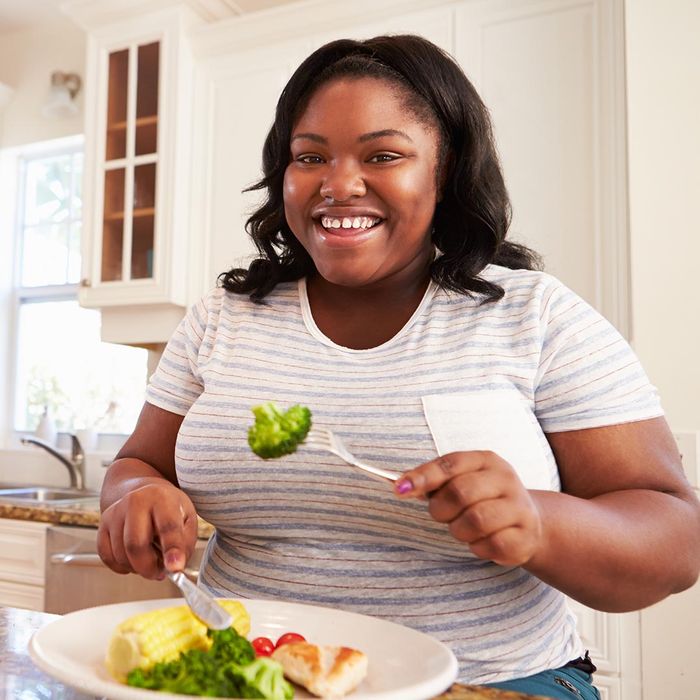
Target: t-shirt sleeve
(588, 374)
(177, 382)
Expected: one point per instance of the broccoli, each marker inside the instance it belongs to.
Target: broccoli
(228, 670)
(265, 676)
(275, 433)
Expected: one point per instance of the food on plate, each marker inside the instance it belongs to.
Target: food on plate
(264, 646)
(288, 637)
(326, 671)
(276, 433)
(160, 635)
(229, 669)
(169, 649)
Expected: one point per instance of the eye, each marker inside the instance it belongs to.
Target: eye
(308, 159)
(384, 157)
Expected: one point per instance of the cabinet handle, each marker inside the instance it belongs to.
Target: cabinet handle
(85, 282)
(72, 559)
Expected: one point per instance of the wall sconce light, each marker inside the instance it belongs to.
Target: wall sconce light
(64, 88)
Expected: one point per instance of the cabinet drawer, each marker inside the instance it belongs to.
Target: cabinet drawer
(22, 551)
(21, 595)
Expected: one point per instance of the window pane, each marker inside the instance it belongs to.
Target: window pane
(45, 255)
(73, 275)
(51, 213)
(48, 190)
(63, 364)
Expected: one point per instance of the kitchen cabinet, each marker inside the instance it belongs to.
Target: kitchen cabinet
(136, 178)
(22, 567)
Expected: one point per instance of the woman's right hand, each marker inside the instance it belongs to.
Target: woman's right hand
(155, 512)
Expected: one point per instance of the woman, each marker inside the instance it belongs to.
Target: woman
(537, 462)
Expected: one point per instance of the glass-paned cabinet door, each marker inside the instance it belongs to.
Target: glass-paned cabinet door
(130, 164)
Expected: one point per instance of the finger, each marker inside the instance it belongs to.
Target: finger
(138, 542)
(430, 476)
(106, 553)
(462, 492)
(483, 519)
(510, 547)
(172, 527)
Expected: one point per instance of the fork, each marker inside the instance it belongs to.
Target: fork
(323, 439)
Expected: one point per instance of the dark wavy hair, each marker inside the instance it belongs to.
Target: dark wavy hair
(473, 215)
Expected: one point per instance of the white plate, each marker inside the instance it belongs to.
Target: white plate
(403, 664)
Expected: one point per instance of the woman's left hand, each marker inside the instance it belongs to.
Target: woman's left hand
(481, 498)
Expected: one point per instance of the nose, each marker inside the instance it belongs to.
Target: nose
(342, 182)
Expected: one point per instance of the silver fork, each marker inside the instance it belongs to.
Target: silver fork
(323, 439)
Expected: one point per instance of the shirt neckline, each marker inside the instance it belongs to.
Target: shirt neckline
(316, 332)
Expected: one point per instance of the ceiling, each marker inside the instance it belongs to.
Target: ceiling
(16, 15)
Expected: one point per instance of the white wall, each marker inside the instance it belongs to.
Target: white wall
(663, 76)
(663, 93)
(27, 59)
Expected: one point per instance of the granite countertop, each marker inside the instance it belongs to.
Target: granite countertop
(20, 678)
(86, 513)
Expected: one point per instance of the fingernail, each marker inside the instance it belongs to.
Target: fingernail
(172, 558)
(404, 486)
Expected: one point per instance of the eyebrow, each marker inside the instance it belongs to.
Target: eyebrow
(363, 139)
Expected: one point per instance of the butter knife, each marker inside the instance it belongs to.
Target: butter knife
(203, 606)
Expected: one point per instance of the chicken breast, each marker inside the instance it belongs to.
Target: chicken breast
(328, 672)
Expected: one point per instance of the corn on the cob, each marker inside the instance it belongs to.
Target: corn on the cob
(160, 635)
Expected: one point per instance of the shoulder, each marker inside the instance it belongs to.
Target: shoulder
(522, 283)
(521, 288)
(221, 306)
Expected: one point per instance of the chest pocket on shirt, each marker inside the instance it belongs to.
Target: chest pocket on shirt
(499, 421)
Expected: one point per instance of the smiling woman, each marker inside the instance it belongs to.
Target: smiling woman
(535, 460)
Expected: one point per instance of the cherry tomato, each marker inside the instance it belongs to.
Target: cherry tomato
(263, 646)
(289, 637)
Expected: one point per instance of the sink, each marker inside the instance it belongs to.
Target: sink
(47, 495)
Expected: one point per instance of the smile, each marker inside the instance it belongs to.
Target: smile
(349, 223)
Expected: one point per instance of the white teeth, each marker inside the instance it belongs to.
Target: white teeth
(359, 222)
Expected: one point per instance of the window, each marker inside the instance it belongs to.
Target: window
(60, 360)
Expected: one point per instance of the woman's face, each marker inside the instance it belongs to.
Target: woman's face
(361, 186)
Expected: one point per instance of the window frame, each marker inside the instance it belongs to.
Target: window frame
(19, 295)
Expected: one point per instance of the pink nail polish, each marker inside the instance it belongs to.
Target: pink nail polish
(404, 486)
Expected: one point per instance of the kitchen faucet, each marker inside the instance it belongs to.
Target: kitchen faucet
(75, 465)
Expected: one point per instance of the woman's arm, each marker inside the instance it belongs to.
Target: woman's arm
(626, 531)
(624, 534)
(141, 501)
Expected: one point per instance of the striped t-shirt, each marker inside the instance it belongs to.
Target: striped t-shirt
(460, 375)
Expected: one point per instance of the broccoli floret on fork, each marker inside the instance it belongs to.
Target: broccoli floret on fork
(276, 433)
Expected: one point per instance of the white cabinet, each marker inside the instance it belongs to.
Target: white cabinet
(613, 641)
(137, 166)
(22, 563)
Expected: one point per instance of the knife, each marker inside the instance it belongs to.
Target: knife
(203, 606)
